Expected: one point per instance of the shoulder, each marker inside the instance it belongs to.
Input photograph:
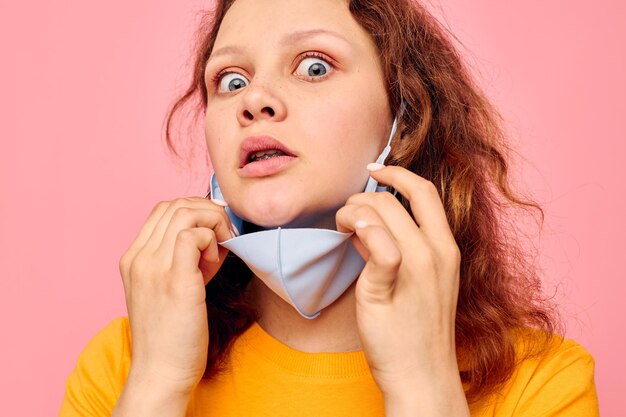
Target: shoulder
(101, 369)
(553, 376)
(110, 345)
(539, 349)
(116, 331)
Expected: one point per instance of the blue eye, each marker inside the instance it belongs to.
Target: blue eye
(313, 67)
(232, 81)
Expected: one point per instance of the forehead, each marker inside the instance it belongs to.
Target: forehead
(269, 21)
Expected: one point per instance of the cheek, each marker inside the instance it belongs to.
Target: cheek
(342, 155)
(213, 133)
(341, 126)
(352, 137)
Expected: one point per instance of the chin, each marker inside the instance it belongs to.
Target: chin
(270, 216)
(270, 222)
(319, 219)
(288, 206)
(269, 211)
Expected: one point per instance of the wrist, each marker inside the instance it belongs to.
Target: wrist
(140, 398)
(161, 381)
(440, 394)
(402, 405)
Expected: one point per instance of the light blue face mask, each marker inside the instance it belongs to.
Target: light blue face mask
(309, 268)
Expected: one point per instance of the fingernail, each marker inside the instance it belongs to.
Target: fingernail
(374, 166)
(220, 202)
(360, 224)
(233, 230)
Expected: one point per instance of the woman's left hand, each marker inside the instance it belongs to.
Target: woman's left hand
(406, 295)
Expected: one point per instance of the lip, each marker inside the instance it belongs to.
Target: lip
(258, 143)
(265, 167)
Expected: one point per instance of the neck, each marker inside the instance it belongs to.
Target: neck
(334, 330)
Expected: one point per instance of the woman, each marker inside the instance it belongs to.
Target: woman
(443, 317)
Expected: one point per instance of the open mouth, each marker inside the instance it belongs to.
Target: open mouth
(263, 155)
(261, 148)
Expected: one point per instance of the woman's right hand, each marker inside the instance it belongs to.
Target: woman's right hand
(164, 272)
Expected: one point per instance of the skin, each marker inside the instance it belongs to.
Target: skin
(402, 307)
(319, 118)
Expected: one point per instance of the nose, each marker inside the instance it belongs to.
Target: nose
(258, 103)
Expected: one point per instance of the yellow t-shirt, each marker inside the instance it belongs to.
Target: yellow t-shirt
(268, 378)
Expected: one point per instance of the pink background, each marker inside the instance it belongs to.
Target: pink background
(84, 88)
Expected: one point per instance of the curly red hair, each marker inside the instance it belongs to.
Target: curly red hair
(451, 135)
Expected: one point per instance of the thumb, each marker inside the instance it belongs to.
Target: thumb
(209, 267)
(378, 278)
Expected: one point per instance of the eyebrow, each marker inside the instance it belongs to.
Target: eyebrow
(291, 38)
(303, 34)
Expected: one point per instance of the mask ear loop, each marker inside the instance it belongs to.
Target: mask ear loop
(385, 152)
(383, 156)
(216, 192)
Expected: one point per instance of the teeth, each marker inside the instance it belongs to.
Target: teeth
(267, 154)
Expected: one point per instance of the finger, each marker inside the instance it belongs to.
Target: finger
(378, 278)
(422, 195)
(402, 227)
(158, 234)
(190, 243)
(408, 239)
(348, 218)
(187, 218)
(142, 237)
(208, 265)
(348, 215)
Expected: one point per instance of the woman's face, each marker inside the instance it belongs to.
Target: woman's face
(307, 75)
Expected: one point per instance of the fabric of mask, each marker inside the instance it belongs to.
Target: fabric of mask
(309, 268)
